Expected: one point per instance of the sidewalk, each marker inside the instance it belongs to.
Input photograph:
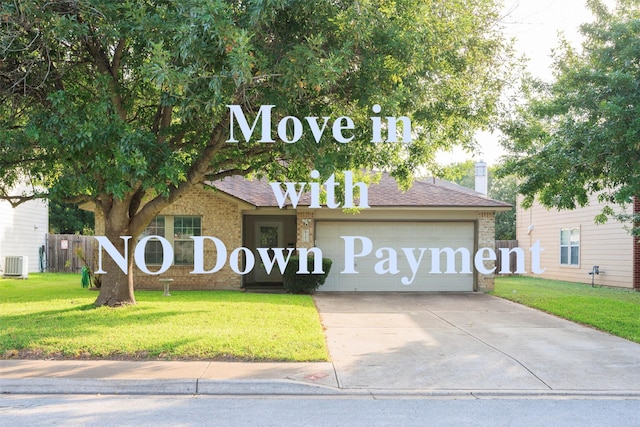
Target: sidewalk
(465, 344)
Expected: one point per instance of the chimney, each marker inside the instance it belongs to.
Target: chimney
(481, 177)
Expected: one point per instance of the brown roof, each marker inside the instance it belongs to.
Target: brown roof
(430, 193)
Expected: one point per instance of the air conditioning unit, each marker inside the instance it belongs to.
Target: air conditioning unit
(16, 267)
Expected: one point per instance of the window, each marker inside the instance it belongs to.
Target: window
(183, 228)
(153, 250)
(570, 246)
(178, 231)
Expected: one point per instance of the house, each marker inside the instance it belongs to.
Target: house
(243, 215)
(23, 232)
(573, 244)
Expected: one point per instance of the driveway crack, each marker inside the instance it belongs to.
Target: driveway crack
(464, 331)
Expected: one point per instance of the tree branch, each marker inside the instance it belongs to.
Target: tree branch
(195, 175)
(117, 58)
(136, 201)
(230, 172)
(16, 201)
(177, 138)
(79, 199)
(101, 61)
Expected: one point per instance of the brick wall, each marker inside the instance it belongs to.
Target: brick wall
(486, 239)
(220, 218)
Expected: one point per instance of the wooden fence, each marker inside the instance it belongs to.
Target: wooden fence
(65, 252)
(512, 258)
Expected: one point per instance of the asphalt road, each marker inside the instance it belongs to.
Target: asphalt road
(157, 411)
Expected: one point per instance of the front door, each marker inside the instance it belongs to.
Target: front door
(268, 235)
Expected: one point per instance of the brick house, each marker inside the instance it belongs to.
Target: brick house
(244, 213)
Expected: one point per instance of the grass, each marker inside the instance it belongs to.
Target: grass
(52, 316)
(616, 311)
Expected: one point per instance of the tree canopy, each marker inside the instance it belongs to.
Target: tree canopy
(122, 104)
(578, 136)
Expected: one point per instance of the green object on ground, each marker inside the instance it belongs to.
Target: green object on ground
(86, 277)
(295, 283)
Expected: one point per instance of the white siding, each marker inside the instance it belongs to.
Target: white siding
(23, 230)
(609, 245)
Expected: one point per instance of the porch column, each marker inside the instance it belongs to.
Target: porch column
(305, 229)
(486, 239)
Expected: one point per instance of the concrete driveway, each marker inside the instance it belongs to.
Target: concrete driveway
(468, 341)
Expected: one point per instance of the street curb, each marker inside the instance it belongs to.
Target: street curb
(513, 394)
(268, 387)
(164, 386)
(96, 386)
(273, 388)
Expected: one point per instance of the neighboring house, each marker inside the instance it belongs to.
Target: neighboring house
(573, 244)
(245, 214)
(23, 231)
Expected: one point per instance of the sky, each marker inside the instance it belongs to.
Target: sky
(535, 25)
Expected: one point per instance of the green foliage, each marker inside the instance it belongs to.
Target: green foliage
(615, 311)
(108, 97)
(503, 188)
(295, 283)
(67, 218)
(462, 173)
(51, 316)
(577, 137)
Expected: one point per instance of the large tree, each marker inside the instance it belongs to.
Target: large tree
(579, 136)
(122, 104)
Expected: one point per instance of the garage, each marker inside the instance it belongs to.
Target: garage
(390, 237)
(421, 239)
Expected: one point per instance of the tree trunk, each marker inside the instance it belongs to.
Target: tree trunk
(117, 287)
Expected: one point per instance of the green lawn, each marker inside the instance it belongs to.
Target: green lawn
(52, 316)
(616, 311)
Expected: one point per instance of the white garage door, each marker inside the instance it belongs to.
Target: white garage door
(393, 244)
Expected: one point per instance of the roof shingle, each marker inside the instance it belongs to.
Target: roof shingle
(437, 193)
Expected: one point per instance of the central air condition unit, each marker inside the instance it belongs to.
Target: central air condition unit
(16, 267)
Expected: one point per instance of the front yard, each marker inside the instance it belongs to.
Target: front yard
(52, 316)
(616, 311)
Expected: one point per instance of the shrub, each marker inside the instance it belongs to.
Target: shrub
(295, 283)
